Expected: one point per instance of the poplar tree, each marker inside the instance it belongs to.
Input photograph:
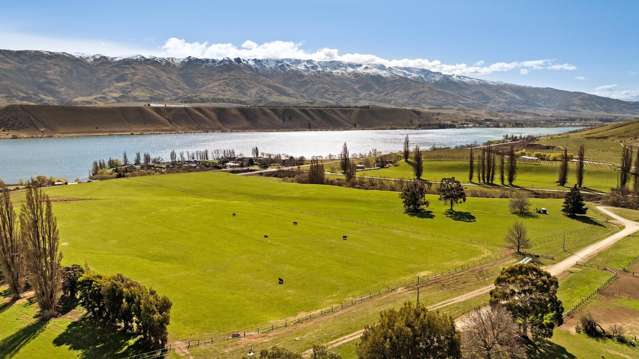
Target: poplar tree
(501, 169)
(635, 173)
(492, 166)
(40, 234)
(418, 164)
(11, 247)
(406, 148)
(125, 159)
(563, 169)
(580, 165)
(624, 170)
(471, 165)
(512, 165)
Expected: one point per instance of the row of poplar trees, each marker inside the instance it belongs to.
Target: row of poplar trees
(563, 167)
(626, 170)
(29, 249)
(488, 161)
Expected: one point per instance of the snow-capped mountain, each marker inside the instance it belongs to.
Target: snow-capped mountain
(59, 78)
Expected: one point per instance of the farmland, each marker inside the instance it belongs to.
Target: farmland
(179, 235)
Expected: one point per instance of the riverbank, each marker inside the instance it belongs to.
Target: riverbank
(46, 121)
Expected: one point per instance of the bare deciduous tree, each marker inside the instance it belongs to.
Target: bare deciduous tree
(11, 249)
(517, 237)
(491, 333)
(41, 239)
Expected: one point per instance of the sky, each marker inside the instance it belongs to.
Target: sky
(590, 46)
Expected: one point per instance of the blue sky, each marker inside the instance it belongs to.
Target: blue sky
(590, 46)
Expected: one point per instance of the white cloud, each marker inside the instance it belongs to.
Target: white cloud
(614, 91)
(20, 41)
(180, 48)
(580, 78)
(287, 49)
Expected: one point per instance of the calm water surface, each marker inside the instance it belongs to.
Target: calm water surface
(71, 158)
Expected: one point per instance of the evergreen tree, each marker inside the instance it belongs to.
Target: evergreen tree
(418, 164)
(138, 159)
(574, 203)
(563, 169)
(512, 165)
(580, 165)
(406, 148)
(125, 159)
(40, 234)
(471, 165)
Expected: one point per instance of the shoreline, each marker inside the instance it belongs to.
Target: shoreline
(146, 133)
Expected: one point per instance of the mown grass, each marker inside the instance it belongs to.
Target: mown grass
(177, 234)
(541, 174)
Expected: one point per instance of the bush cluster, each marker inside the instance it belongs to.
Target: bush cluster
(127, 306)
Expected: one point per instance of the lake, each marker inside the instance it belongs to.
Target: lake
(71, 157)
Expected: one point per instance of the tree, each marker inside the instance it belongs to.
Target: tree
(635, 174)
(418, 164)
(125, 159)
(278, 353)
(574, 203)
(530, 295)
(471, 165)
(348, 168)
(502, 164)
(519, 203)
(491, 333)
(11, 247)
(580, 165)
(563, 169)
(255, 152)
(451, 191)
(624, 168)
(517, 237)
(316, 173)
(413, 195)
(320, 352)
(410, 332)
(40, 235)
(138, 159)
(406, 148)
(480, 166)
(512, 165)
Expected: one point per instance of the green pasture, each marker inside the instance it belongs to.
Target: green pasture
(177, 234)
(530, 174)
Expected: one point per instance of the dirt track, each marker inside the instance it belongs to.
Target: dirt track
(584, 254)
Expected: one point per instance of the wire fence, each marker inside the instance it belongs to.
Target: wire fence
(442, 278)
(584, 301)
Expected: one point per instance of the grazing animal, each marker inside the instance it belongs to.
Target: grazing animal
(233, 214)
(344, 237)
(280, 281)
(295, 223)
(266, 236)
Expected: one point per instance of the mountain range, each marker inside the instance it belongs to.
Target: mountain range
(39, 77)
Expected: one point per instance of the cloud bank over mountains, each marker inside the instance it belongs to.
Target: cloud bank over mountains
(176, 47)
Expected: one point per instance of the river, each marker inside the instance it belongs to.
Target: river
(71, 157)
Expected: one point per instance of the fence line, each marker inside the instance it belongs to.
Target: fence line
(584, 301)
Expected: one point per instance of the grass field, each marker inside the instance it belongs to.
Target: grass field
(542, 174)
(177, 234)
(601, 143)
